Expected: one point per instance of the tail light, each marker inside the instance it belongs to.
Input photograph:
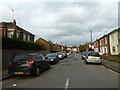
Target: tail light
(10, 65)
(100, 57)
(86, 57)
(30, 63)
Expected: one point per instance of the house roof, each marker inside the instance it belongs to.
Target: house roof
(114, 31)
(42, 39)
(15, 26)
(107, 34)
(24, 30)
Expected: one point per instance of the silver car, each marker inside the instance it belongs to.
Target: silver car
(84, 55)
(60, 55)
(93, 57)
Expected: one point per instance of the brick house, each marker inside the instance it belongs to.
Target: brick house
(97, 45)
(10, 29)
(114, 37)
(75, 49)
(72, 49)
(58, 48)
(102, 45)
(109, 43)
(69, 48)
(47, 45)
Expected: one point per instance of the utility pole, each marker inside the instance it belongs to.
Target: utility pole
(91, 37)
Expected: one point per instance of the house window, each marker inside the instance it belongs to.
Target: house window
(100, 42)
(10, 33)
(113, 48)
(5, 31)
(24, 37)
(28, 38)
(106, 41)
(18, 34)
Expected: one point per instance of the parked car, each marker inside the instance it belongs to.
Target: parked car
(93, 57)
(52, 57)
(64, 54)
(60, 55)
(84, 55)
(53, 51)
(68, 53)
(28, 64)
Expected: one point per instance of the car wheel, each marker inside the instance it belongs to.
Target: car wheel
(99, 63)
(49, 66)
(37, 73)
(82, 58)
(12, 75)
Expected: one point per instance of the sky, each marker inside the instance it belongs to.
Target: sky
(63, 22)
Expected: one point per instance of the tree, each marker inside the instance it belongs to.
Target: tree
(50, 42)
(83, 48)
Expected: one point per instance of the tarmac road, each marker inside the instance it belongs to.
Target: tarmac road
(71, 72)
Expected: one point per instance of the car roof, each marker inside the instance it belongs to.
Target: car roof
(85, 51)
(51, 53)
(27, 54)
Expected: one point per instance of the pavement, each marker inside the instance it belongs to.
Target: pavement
(69, 73)
(111, 65)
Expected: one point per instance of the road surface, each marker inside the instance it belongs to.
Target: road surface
(71, 72)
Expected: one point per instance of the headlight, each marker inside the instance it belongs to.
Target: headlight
(51, 59)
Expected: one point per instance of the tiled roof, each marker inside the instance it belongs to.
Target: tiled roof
(12, 25)
(107, 34)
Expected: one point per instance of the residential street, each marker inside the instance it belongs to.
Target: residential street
(71, 72)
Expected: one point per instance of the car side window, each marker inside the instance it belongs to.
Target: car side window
(36, 57)
(40, 57)
(43, 57)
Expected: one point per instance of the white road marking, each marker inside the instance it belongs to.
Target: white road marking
(67, 83)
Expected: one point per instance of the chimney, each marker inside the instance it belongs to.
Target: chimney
(14, 22)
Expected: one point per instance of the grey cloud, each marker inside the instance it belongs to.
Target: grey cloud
(66, 23)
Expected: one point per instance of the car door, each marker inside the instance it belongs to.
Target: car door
(37, 61)
(45, 62)
(42, 62)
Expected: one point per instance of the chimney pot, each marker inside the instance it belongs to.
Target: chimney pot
(14, 22)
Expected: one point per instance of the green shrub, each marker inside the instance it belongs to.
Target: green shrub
(13, 43)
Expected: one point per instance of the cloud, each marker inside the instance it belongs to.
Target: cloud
(68, 23)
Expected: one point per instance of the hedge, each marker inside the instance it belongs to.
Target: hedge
(13, 43)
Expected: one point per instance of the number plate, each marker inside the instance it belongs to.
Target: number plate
(18, 72)
(94, 58)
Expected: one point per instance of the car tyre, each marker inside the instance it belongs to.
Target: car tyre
(49, 66)
(37, 72)
(12, 75)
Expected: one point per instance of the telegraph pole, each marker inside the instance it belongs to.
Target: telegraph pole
(91, 37)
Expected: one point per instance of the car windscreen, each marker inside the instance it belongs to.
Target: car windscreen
(51, 55)
(23, 58)
(59, 53)
(84, 53)
(94, 54)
